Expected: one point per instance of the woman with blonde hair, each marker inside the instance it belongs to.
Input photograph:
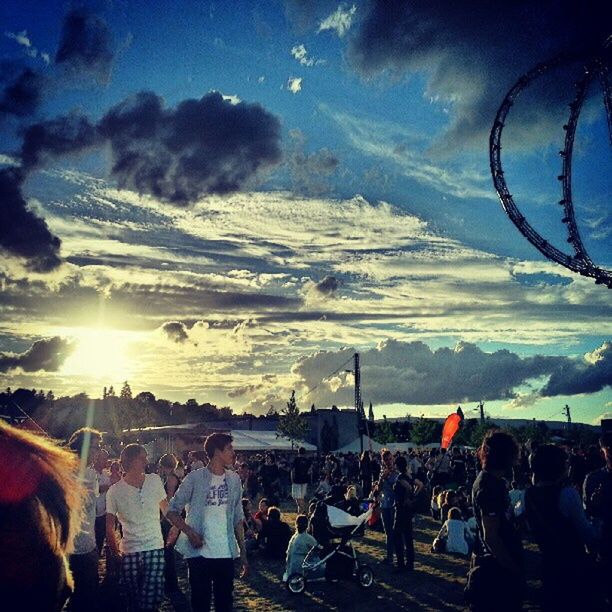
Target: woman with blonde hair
(40, 503)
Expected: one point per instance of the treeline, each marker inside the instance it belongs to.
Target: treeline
(423, 431)
(114, 412)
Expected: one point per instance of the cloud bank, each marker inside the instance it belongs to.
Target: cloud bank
(473, 54)
(48, 355)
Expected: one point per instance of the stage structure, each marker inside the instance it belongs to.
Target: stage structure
(595, 68)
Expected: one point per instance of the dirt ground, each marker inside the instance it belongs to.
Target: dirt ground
(436, 584)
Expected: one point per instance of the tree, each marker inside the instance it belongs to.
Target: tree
(272, 411)
(145, 397)
(126, 391)
(291, 423)
(110, 392)
(423, 431)
(384, 433)
(371, 413)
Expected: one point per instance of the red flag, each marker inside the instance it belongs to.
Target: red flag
(451, 427)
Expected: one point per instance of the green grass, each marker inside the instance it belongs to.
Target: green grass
(436, 584)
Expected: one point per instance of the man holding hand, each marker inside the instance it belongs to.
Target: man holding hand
(212, 532)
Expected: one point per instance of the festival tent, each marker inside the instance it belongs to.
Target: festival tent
(247, 440)
(355, 446)
(400, 446)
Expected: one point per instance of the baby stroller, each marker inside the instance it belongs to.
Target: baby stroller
(334, 557)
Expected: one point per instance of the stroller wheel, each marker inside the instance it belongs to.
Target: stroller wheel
(365, 576)
(296, 584)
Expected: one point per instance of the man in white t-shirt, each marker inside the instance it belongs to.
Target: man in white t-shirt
(136, 501)
(84, 558)
(212, 532)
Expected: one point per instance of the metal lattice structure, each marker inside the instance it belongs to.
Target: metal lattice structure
(580, 261)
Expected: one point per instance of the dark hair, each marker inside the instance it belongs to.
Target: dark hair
(274, 514)
(265, 501)
(401, 464)
(301, 523)
(129, 453)
(168, 461)
(454, 513)
(81, 439)
(301, 450)
(216, 441)
(245, 502)
(385, 452)
(498, 450)
(605, 440)
(548, 462)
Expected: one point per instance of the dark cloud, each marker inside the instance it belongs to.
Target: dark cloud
(327, 286)
(205, 146)
(22, 91)
(587, 375)
(22, 232)
(310, 171)
(48, 354)
(86, 46)
(58, 137)
(202, 147)
(411, 372)
(176, 331)
(473, 53)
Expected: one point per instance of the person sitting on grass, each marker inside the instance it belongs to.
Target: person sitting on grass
(261, 516)
(275, 535)
(454, 535)
(250, 529)
(299, 546)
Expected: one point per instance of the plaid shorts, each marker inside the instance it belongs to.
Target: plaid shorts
(142, 576)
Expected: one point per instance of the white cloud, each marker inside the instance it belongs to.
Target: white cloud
(406, 150)
(246, 267)
(20, 37)
(294, 84)
(340, 20)
(301, 55)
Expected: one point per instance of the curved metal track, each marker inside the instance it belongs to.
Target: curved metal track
(579, 262)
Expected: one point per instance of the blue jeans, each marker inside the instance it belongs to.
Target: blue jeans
(388, 516)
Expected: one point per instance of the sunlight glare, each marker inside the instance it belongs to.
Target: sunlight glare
(100, 353)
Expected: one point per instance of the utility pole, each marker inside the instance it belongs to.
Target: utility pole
(358, 402)
(567, 413)
(481, 408)
(361, 420)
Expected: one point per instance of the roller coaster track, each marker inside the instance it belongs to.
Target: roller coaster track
(580, 261)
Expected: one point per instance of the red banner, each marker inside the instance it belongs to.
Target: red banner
(451, 427)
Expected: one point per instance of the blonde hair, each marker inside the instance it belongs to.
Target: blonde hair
(40, 498)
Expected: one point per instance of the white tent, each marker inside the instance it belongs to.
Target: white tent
(247, 440)
(400, 446)
(355, 446)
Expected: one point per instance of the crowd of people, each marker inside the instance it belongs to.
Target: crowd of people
(65, 508)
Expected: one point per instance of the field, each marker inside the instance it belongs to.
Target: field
(436, 584)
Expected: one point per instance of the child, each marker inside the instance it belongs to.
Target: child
(299, 545)
(455, 532)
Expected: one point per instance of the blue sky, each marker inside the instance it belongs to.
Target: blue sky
(338, 198)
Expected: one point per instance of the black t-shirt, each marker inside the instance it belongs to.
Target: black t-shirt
(490, 498)
(300, 469)
(403, 495)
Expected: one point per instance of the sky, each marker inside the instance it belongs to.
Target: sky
(225, 201)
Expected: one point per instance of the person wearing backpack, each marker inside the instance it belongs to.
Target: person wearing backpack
(559, 525)
(405, 491)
